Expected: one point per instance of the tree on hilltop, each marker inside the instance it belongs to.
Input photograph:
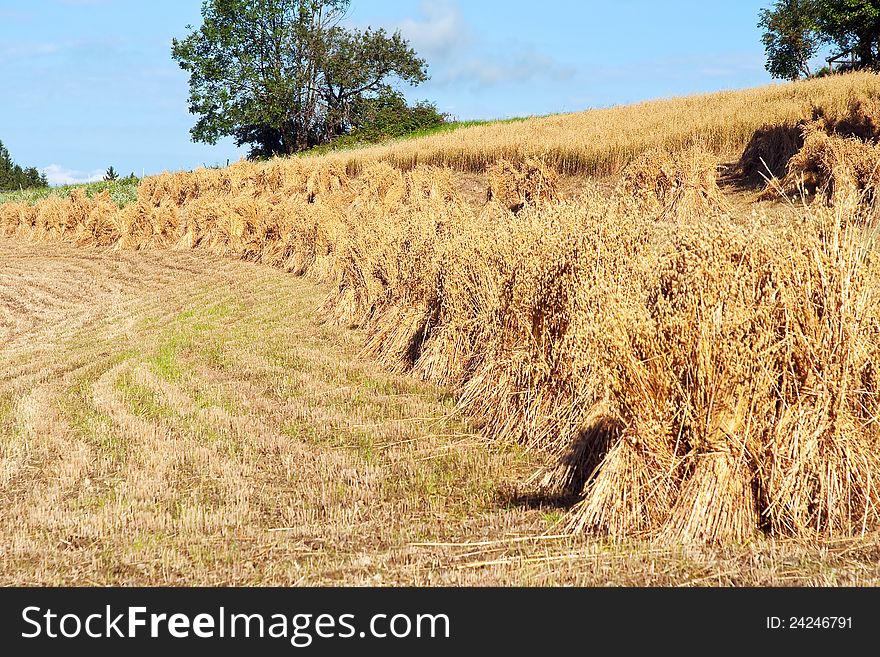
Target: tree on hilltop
(794, 30)
(356, 69)
(852, 26)
(283, 75)
(789, 39)
(111, 174)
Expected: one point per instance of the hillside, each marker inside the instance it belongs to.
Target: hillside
(601, 142)
(593, 143)
(503, 366)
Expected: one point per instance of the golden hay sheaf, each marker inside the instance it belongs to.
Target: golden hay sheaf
(16, 218)
(687, 377)
(772, 146)
(430, 185)
(382, 186)
(728, 312)
(680, 185)
(768, 153)
(515, 186)
(836, 169)
(327, 179)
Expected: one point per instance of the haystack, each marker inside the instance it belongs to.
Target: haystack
(206, 182)
(540, 376)
(294, 176)
(277, 232)
(382, 184)
(772, 148)
(326, 179)
(294, 221)
(258, 227)
(198, 225)
(166, 186)
(860, 119)
(516, 185)
(164, 224)
(134, 227)
(390, 270)
(627, 487)
(472, 266)
(52, 219)
(737, 413)
(430, 185)
(15, 218)
(406, 265)
(832, 167)
(681, 185)
(94, 219)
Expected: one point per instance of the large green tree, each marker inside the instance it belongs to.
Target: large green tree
(790, 38)
(851, 25)
(794, 30)
(283, 75)
(357, 66)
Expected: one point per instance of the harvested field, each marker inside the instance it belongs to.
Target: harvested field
(650, 310)
(653, 359)
(171, 418)
(188, 420)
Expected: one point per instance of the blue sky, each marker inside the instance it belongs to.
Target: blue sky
(90, 83)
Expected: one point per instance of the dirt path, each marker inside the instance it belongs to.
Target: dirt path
(172, 418)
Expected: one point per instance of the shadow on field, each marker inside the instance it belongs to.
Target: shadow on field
(766, 156)
(535, 500)
(771, 148)
(562, 485)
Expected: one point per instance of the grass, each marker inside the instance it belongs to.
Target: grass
(211, 458)
(142, 399)
(89, 423)
(123, 192)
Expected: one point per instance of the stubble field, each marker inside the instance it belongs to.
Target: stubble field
(630, 362)
(174, 419)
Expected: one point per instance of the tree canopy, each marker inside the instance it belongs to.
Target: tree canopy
(13, 176)
(284, 75)
(794, 30)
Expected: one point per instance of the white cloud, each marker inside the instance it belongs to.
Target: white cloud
(468, 62)
(457, 55)
(440, 30)
(59, 175)
(521, 67)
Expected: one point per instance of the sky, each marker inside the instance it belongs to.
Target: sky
(87, 84)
